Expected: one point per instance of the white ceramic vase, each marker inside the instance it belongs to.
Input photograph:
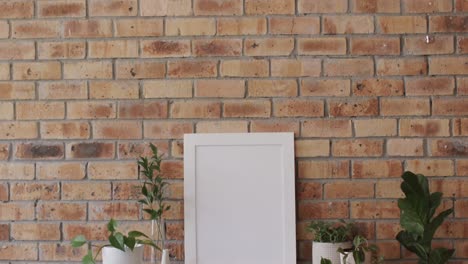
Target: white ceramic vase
(327, 250)
(111, 255)
(165, 257)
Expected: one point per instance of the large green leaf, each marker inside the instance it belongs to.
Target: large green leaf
(137, 234)
(410, 219)
(117, 241)
(78, 241)
(440, 255)
(325, 261)
(412, 244)
(130, 242)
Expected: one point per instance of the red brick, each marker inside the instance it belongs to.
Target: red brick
(18, 130)
(165, 48)
(62, 50)
(16, 9)
(16, 171)
(357, 148)
(17, 50)
(375, 6)
(426, 6)
(447, 24)
(326, 128)
(137, 27)
(86, 191)
(452, 106)
(222, 127)
(117, 130)
(4, 71)
(61, 8)
(295, 67)
(191, 69)
(177, 147)
(247, 108)
(312, 148)
(424, 127)
(87, 70)
(167, 129)
(448, 65)
(272, 88)
(450, 188)
(63, 90)
(460, 208)
(4, 29)
(190, 27)
(401, 66)
(35, 231)
(92, 231)
(430, 86)
(437, 45)
(12, 211)
(218, 7)
(167, 89)
(294, 25)
(3, 197)
(348, 189)
(60, 252)
(90, 110)
(354, 107)
(94, 28)
(166, 8)
(112, 171)
(113, 90)
(39, 110)
(374, 209)
(39, 151)
(34, 191)
(65, 130)
(133, 150)
(431, 167)
(323, 169)
(268, 47)
(244, 68)
(146, 110)
(195, 109)
(405, 147)
(462, 45)
(460, 127)
(35, 29)
(322, 46)
(326, 87)
(349, 67)
(375, 127)
(130, 69)
(17, 90)
(322, 210)
(274, 126)
(298, 108)
(60, 171)
(126, 190)
(113, 7)
(113, 49)
(378, 87)
(242, 26)
(401, 24)
(348, 24)
(448, 147)
(19, 251)
(37, 71)
(4, 232)
(4, 151)
(461, 5)
(462, 86)
(88, 150)
(388, 189)
(217, 47)
(117, 210)
(173, 169)
(269, 7)
(6, 111)
(220, 88)
(322, 6)
(375, 46)
(377, 169)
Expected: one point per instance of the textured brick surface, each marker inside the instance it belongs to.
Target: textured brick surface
(369, 88)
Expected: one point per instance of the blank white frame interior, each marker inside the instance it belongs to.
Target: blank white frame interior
(239, 198)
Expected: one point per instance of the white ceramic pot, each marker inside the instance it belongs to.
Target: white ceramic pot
(349, 259)
(111, 255)
(165, 257)
(327, 250)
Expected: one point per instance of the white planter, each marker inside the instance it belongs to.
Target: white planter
(349, 259)
(111, 255)
(327, 250)
(165, 257)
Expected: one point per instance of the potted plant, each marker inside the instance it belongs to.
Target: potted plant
(357, 254)
(417, 219)
(153, 189)
(328, 238)
(128, 249)
(121, 249)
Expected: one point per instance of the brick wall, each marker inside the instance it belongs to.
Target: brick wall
(87, 84)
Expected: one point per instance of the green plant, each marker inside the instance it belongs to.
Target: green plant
(116, 240)
(153, 191)
(331, 232)
(418, 221)
(360, 247)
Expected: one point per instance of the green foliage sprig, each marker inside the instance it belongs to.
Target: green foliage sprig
(360, 247)
(153, 189)
(331, 232)
(116, 239)
(418, 221)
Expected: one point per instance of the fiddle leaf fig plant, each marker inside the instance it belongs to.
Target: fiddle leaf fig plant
(417, 210)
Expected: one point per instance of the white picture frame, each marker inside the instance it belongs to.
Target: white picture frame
(239, 198)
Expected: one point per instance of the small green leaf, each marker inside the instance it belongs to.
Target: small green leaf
(325, 261)
(88, 258)
(130, 242)
(78, 241)
(117, 241)
(136, 234)
(149, 243)
(112, 226)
